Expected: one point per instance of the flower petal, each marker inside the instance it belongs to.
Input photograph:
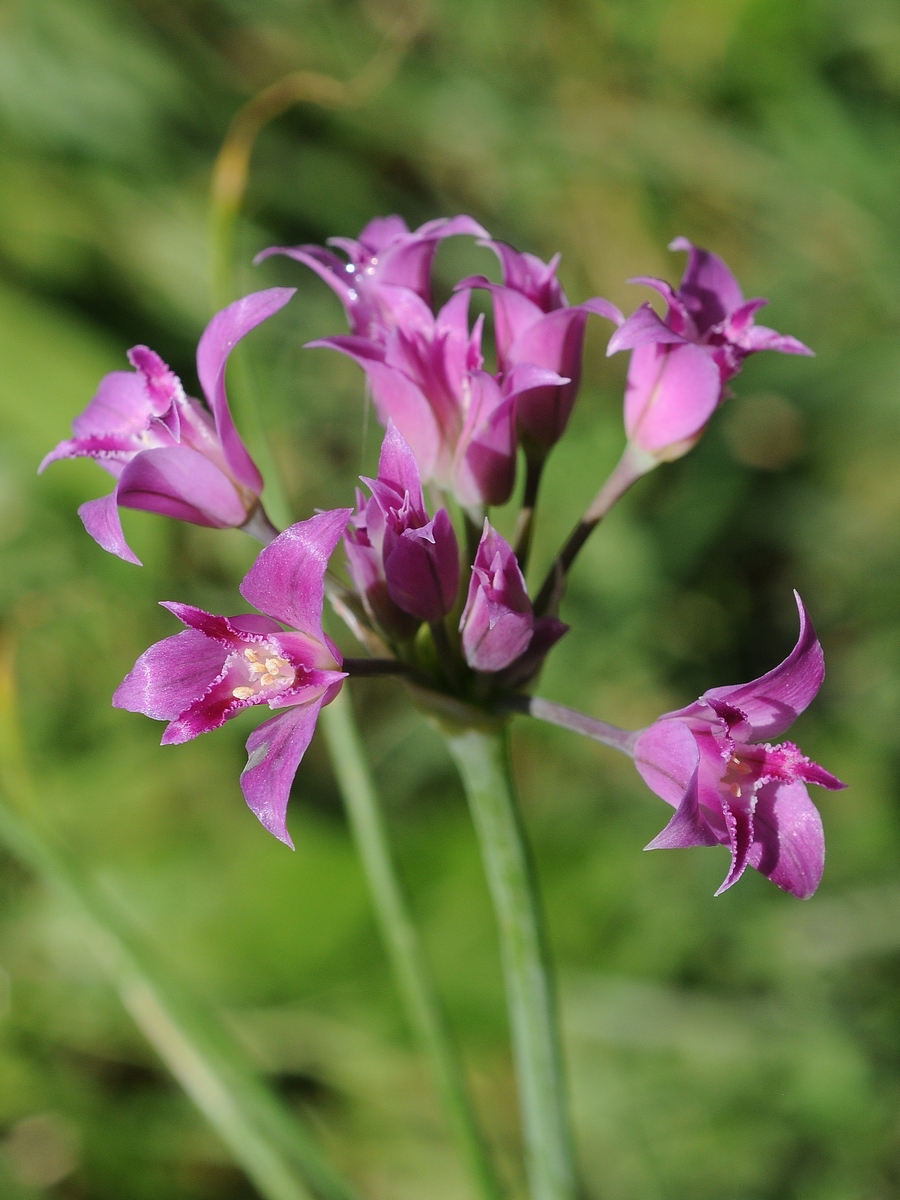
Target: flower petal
(178, 482)
(422, 569)
(688, 827)
(760, 337)
(774, 701)
(121, 405)
(275, 749)
(101, 520)
(788, 841)
(671, 393)
(739, 822)
(171, 675)
(485, 467)
(211, 625)
(287, 580)
(514, 313)
(397, 467)
(219, 338)
(667, 757)
(643, 327)
(407, 262)
(709, 290)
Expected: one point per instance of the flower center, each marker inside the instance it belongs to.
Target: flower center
(264, 670)
(740, 776)
(754, 765)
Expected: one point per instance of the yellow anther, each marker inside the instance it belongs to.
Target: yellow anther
(257, 668)
(738, 764)
(267, 679)
(251, 654)
(243, 693)
(274, 665)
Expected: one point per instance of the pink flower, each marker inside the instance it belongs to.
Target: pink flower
(534, 323)
(218, 666)
(385, 262)
(417, 558)
(167, 453)
(714, 762)
(680, 365)
(426, 377)
(498, 625)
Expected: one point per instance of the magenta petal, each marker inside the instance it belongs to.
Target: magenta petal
(287, 580)
(378, 234)
(759, 337)
(497, 622)
(709, 290)
(442, 227)
(514, 313)
(688, 826)
(485, 470)
(788, 841)
(406, 259)
(422, 569)
(219, 338)
(178, 482)
(275, 749)
(739, 823)
(327, 265)
(211, 625)
(603, 308)
(493, 644)
(773, 702)
(121, 405)
(671, 393)
(397, 467)
(252, 623)
(667, 757)
(171, 675)
(554, 342)
(640, 329)
(361, 349)
(101, 520)
(210, 711)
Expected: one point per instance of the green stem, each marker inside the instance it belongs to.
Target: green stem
(633, 464)
(417, 990)
(534, 469)
(275, 1153)
(483, 761)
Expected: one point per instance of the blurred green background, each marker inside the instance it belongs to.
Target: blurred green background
(744, 1048)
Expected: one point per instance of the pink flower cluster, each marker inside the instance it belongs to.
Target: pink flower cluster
(457, 622)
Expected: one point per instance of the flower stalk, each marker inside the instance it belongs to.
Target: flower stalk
(631, 467)
(481, 755)
(417, 991)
